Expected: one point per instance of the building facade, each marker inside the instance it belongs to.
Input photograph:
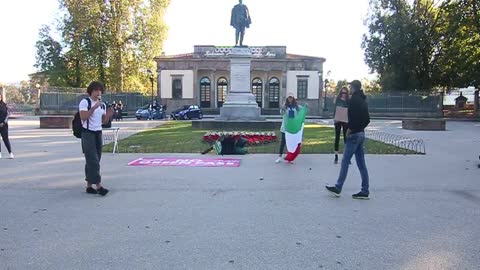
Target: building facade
(203, 78)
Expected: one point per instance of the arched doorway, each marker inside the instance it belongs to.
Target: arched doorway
(222, 88)
(205, 89)
(257, 90)
(274, 93)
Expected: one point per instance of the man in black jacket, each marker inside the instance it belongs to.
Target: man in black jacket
(358, 120)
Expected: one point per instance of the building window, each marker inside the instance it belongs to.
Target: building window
(177, 88)
(302, 87)
(274, 93)
(205, 88)
(257, 86)
(222, 86)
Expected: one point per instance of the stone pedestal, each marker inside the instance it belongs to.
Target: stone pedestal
(56, 121)
(424, 124)
(240, 103)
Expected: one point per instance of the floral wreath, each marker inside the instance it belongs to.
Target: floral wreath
(253, 138)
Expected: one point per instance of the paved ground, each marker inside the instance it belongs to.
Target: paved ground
(424, 212)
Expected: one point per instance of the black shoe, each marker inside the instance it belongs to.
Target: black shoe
(361, 196)
(91, 190)
(102, 191)
(336, 159)
(334, 190)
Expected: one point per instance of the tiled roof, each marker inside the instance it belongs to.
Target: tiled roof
(177, 56)
(290, 56)
(301, 57)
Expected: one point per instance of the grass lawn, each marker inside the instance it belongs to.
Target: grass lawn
(179, 137)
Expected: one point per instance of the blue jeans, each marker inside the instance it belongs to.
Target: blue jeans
(353, 146)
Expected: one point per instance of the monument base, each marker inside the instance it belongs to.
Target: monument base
(239, 112)
(236, 125)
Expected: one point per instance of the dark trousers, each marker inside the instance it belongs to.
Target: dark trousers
(282, 144)
(239, 34)
(338, 127)
(6, 141)
(92, 149)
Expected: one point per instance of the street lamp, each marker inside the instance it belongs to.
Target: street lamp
(325, 95)
(150, 74)
(37, 86)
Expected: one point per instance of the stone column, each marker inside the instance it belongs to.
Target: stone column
(266, 100)
(159, 85)
(196, 87)
(213, 89)
(283, 87)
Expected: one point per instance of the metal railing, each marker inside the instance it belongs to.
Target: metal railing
(69, 101)
(398, 102)
(412, 144)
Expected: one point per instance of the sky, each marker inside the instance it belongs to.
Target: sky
(332, 29)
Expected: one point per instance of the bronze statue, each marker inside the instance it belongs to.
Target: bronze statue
(240, 20)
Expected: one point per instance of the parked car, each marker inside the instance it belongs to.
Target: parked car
(187, 112)
(143, 113)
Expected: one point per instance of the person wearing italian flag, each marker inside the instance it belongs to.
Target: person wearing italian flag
(292, 128)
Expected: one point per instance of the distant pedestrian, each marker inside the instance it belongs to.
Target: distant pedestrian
(4, 113)
(119, 111)
(340, 119)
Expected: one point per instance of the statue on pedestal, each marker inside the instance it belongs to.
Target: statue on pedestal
(240, 20)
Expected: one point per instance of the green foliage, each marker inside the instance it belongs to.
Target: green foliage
(423, 44)
(458, 49)
(340, 84)
(19, 94)
(49, 57)
(108, 40)
(371, 86)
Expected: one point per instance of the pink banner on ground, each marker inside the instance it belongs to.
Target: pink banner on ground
(186, 162)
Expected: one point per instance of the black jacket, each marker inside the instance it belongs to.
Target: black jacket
(3, 112)
(358, 116)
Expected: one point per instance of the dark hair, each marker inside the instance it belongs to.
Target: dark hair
(3, 105)
(294, 103)
(356, 85)
(95, 86)
(344, 88)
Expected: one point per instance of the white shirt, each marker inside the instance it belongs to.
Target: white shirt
(95, 120)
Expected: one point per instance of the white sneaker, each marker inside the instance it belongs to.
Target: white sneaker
(11, 156)
(0, 154)
(278, 160)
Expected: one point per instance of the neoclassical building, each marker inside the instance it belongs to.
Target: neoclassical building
(203, 78)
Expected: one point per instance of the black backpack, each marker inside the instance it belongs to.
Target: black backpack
(228, 146)
(77, 126)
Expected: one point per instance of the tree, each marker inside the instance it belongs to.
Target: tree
(49, 57)
(111, 41)
(14, 95)
(401, 41)
(423, 44)
(371, 86)
(340, 84)
(459, 50)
